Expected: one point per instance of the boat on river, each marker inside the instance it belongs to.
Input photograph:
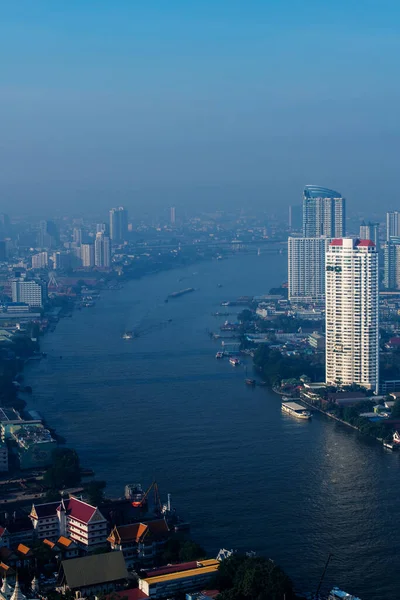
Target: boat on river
(295, 410)
(251, 382)
(219, 355)
(128, 335)
(338, 594)
(235, 362)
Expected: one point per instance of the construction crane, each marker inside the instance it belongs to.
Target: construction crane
(157, 500)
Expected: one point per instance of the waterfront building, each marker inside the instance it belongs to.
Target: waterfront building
(141, 543)
(40, 260)
(35, 446)
(118, 224)
(87, 255)
(29, 291)
(324, 212)
(186, 577)
(172, 215)
(392, 224)
(352, 313)
(98, 574)
(370, 231)
(306, 268)
(102, 251)
(391, 266)
(72, 518)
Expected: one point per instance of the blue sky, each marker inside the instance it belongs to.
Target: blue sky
(198, 103)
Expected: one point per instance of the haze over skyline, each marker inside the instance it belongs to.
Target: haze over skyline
(152, 103)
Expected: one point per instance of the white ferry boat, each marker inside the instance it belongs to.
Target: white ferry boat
(295, 409)
(337, 594)
(234, 361)
(219, 355)
(128, 335)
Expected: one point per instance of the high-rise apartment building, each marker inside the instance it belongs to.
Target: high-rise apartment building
(352, 313)
(40, 260)
(102, 250)
(295, 217)
(306, 268)
(61, 261)
(370, 231)
(172, 215)
(392, 224)
(118, 224)
(391, 266)
(32, 292)
(77, 236)
(324, 212)
(48, 236)
(87, 255)
(101, 228)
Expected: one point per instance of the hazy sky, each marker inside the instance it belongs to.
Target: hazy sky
(207, 101)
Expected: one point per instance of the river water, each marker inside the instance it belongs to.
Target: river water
(244, 474)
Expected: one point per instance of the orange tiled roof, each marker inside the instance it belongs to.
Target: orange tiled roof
(23, 549)
(48, 543)
(64, 541)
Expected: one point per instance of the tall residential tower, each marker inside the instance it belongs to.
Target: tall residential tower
(352, 313)
(118, 225)
(324, 212)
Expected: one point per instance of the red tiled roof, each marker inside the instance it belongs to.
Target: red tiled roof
(79, 510)
(365, 243)
(134, 594)
(336, 242)
(2, 530)
(172, 569)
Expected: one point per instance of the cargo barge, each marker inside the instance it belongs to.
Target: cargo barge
(295, 410)
(180, 293)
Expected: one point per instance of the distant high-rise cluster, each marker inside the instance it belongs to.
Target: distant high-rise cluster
(352, 313)
(323, 219)
(325, 265)
(118, 225)
(172, 215)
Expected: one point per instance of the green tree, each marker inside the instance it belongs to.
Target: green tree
(95, 492)
(246, 315)
(190, 550)
(65, 470)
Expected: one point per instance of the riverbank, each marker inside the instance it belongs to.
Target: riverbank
(248, 476)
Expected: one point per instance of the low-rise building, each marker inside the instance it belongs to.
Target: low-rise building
(141, 543)
(35, 446)
(64, 547)
(316, 340)
(72, 518)
(167, 582)
(96, 574)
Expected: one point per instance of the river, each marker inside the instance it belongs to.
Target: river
(244, 474)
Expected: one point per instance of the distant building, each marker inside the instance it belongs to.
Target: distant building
(48, 236)
(3, 250)
(118, 224)
(370, 231)
(29, 291)
(324, 212)
(77, 236)
(316, 340)
(87, 255)
(306, 268)
(391, 266)
(172, 215)
(295, 217)
(102, 251)
(352, 313)
(62, 261)
(5, 226)
(40, 260)
(392, 225)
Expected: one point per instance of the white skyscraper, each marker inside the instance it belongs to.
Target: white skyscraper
(306, 268)
(87, 255)
(392, 224)
(370, 231)
(28, 291)
(40, 260)
(352, 313)
(102, 250)
(324, 212)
